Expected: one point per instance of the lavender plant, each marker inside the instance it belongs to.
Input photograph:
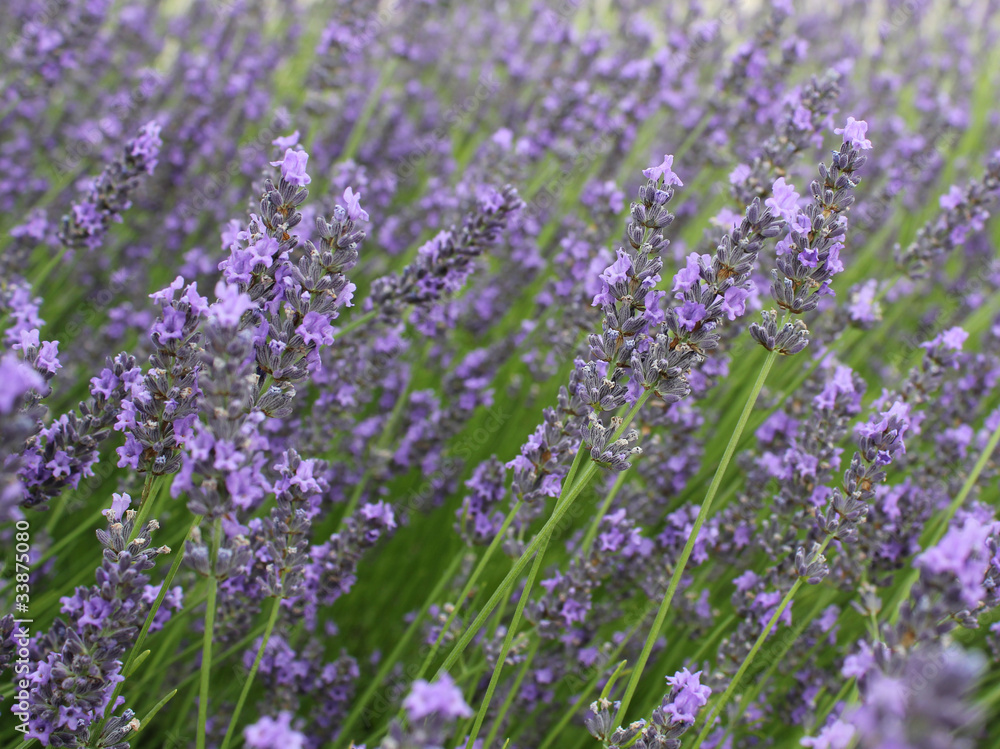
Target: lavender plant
(446, 442)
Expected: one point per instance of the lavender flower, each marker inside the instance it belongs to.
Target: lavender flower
(79, 661)
(159, 410)
(670, 720)
(879, 439)
(444, 262)
(963, 210)
(65, 451)
(111, 193)
(809, 255)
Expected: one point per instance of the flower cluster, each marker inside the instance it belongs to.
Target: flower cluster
(450, 394)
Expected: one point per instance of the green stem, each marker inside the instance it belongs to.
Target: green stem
(66, 538)
(575, 467)
(938, 530)
(556, 731)
(703, 511)
(761, 681)
(137, 646)
(822, 715)
(145, 505)
(388, 662)
(272, 620)
(514, 689)
(507, 642)
(40, 276)
(562, 508)
(473, 579)
(356, 323)
(503, 590)
(588, 540)
(164, 588)
(735, 681)
(222, 656)
(206, 643)
(155, 709)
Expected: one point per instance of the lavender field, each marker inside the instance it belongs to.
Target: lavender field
(415, 374)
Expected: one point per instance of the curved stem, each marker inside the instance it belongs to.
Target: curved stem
(507, 642)
(938, 530)
(66, 538)
(389, 661)
(473, 579)
(735, 681)
(563, 506)
(761, 681)
(159, 598)
(575, 467)
(206, 643)
(145, 506)
(588, 539)
(703, 511)
(356, 323)
(511, 579)
(271, 621)
(141, 638)
(515, 687)
(556, 731)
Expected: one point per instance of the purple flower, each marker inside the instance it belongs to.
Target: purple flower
(962, 553)
(441, 698)
(353, 205)
(835, 735)
(690, 314)
(17, 378)
(286, 141)
(688, 697)
(854, 133)
(887, 429)
(664, 170)
(734, 302)
(952, 339)
(119, 503)
(688, 277)
(952, 199)
(28, 339)
(809, 257)
(263, 251)
(617, 272)
(784, 200)
(293, 167)
(380, 512)
(833, 262)
(840, 384)
(315, 328)
(740, 174)
(146, 146)
(863, 306)
(858, 664)
(230, 305)
(268, 733)
(171, 326)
